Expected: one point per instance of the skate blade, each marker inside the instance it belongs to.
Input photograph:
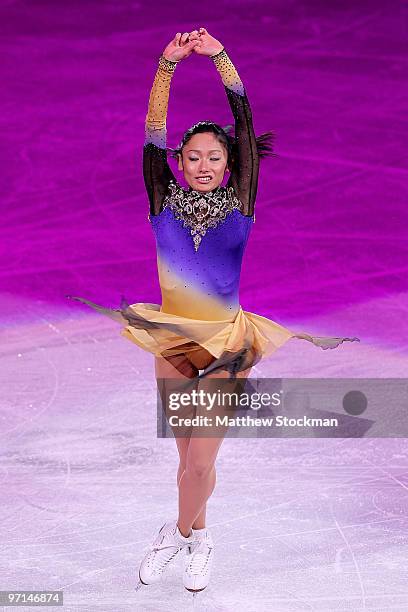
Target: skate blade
(140, 584)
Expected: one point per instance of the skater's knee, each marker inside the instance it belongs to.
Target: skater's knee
(199, 468)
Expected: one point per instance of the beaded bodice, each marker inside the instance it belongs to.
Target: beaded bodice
(200, 237)
(199, 211)
(200, 280)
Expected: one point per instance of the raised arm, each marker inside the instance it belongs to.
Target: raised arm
(156, 170)
(245, 168)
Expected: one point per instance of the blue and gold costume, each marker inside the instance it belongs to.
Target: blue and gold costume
(201, 239)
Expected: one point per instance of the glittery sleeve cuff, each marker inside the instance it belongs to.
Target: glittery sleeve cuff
(167, 65)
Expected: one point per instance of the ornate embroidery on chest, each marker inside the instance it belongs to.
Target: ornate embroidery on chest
(200, 211)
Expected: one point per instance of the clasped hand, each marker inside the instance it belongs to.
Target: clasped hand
(197, 41)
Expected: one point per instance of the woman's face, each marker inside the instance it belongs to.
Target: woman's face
(203, 156)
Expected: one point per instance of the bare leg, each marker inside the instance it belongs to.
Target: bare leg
(198, 480)
(164, 369)
(182, 445)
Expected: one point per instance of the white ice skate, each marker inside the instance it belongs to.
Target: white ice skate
(198, 563)
(168, 543)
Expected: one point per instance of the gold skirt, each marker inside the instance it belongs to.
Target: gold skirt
(236, 343)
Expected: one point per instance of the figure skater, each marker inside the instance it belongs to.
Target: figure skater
(200, 332)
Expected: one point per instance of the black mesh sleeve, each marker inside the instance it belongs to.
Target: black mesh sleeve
(245, 166)
(156, 170)
(157, 175)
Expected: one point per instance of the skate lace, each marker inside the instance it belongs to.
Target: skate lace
(161, 557)
(161, 553)
(200, 558)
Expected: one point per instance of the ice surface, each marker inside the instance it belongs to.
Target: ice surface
(300, 525)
